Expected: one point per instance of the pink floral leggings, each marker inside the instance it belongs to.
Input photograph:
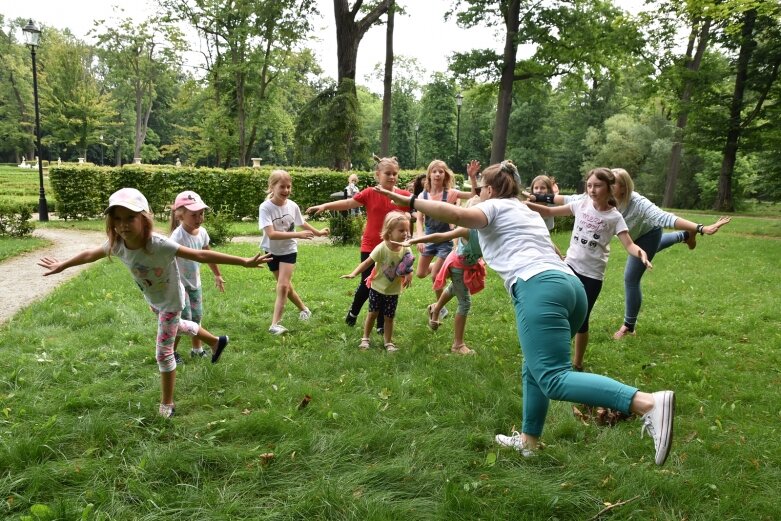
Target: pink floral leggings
(169, 325)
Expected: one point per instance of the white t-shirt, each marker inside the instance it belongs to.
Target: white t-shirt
(154, 270)
(590, 245)
(190, 271)
(516, 243)
(283, 218)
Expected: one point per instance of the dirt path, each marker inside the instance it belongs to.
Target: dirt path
(22, 281)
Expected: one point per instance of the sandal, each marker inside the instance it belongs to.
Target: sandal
(391, 347)
(622, 332)
(432, 324)
(364, 345)
(463, 349)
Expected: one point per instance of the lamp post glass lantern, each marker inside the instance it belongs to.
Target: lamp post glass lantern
(459, 101)
(32, 37)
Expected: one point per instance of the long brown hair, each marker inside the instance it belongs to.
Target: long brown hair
(447, 183)
(504, 180)
(606, 176)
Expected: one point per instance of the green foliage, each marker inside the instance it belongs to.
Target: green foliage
(346, 229)
(15, 220)
(218, 222)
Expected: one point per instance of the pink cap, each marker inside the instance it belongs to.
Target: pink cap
(129, 198)
(189, 200)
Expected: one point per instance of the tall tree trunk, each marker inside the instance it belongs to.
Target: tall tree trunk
(724, 201)
(387, 84)
(692, 66)
(504, 103)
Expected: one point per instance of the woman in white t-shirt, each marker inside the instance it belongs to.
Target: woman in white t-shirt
(549, 304)
(596, 222)
(150, 257)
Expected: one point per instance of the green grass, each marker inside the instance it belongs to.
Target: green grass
(403, 436)
(11, 246)
(21, 185)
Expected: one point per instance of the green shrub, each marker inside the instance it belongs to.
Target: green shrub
(15, 220)
(218, 224)
(346, 229)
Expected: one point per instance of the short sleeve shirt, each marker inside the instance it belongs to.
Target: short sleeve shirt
(590, 244)
(386, 280)
(155, 271)
(189, 270)
(377, 207)
(283, 218)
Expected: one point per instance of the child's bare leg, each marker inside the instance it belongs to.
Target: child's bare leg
(444, 296)
(283, 276)
(167, 381)
(388, 331)
(581, 341)
(424, 262)
(459, 325)
(368, 324)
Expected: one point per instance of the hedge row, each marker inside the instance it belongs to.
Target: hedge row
(15, 219)
(82, 191)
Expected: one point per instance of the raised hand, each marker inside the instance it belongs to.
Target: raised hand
(713, 228)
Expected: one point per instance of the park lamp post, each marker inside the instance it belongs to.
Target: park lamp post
(101, 150)
(415, 162)
(32, 37)
(459, 101)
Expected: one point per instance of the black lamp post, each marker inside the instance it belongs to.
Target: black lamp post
(417, 128)
(32, 36)
(101, 150)
(459, 101)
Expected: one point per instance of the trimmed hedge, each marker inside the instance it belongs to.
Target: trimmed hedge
(82, 191)
(15, 220)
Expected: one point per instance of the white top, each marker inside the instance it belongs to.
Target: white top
(351, 189)
(283, 218)
(590, 245)
(190, 271)
(640, 214)
(154, 270)
(516, 243)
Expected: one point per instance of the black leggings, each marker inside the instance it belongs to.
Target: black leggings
(593, 288)
(362, 292)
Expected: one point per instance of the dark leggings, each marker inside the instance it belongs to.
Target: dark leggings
(362, 292)
(593, 288)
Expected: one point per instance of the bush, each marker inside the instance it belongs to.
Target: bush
(346, 229)
(15, 220)
(218, 224)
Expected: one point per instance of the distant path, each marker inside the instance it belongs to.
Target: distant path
(22, 281)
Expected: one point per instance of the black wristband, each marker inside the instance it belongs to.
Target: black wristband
(700, 229)
(412, 201)
(545, 198)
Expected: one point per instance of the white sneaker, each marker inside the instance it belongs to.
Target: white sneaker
(658, 422)
(514, 442)
(305, 314)
(443, 313)
(277, 329)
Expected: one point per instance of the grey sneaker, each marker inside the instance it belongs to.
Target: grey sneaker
(658, 422)
(166, 410)
(178, 358)
(305, 314)
(277, 329)
(515, 442)
(203, 353)
(443, 313)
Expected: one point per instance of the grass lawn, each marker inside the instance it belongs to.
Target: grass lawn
(402, 436)
(11, 246)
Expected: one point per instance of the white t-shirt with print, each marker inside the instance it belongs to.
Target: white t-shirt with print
(283, 218)
(590, 245)
(516, 243)
(154, 270)
(190, 271)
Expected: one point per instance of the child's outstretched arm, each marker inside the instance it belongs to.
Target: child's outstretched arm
(545, 198)
(344, 204)
(549, 211)
(633, 249)
(359, 269)
(437, 238)
(276, 235)
(318, 233)
(215, 257)
(219, 281)
(54, 266)
(449, 213)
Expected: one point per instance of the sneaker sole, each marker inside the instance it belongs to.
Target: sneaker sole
(221, 344)
(668, 415)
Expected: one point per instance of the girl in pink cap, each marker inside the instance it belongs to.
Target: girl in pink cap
(150, 258)
(186, 229)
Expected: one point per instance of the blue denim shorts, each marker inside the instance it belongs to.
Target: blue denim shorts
(441, 250)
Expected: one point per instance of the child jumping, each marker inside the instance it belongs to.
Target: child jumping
(150, 258)
(596, 221)
(279, 217)
(392, 271)
(186, 229)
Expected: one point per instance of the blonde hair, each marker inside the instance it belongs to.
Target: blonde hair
(114, 237)
(276, 177)
(176, 217)
(447, 183)
(392, 219)
(606, 176)
(384, 163)
(352, 177)
(623, 179)
(544, 179)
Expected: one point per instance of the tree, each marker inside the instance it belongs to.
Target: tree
(437, 135)
(137, 57)
(387, 83)
(17, 129)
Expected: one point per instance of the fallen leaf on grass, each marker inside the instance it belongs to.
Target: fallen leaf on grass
(304, 402)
